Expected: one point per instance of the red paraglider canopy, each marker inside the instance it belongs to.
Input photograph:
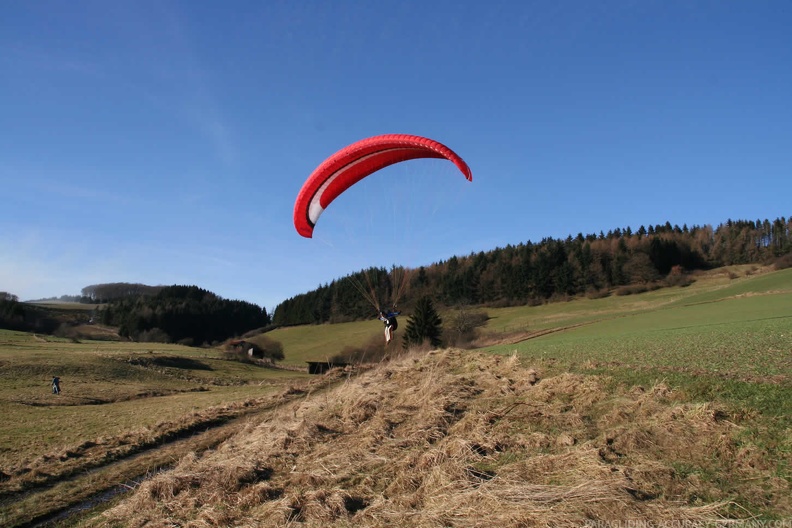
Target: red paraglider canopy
(353, 163)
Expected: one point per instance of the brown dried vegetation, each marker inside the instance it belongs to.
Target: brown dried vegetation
(452, 438)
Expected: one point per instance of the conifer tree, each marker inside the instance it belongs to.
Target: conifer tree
(424, 324)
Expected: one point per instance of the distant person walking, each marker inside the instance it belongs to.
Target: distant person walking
(56, 385)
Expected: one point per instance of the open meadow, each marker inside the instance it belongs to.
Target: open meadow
(738, 294)
(117, 400)
(728, 341)
(669, 404)
(668, 408)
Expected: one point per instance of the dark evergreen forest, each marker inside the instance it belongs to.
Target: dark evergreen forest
(183, 314)
(167, 314)
(622, 260)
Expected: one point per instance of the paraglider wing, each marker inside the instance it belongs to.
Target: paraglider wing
(353, 163)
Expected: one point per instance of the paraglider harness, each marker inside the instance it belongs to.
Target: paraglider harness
(389, 318)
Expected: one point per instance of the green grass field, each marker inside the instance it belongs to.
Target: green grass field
(713, 299)
(747, 335)
(729, 341)
(109, 388)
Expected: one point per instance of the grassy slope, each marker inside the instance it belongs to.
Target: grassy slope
(320, 342)
(108, 389)
(677, 408)
(715, 336)
(727, 337)
(725, 341)
(615, 315)
(125, 409)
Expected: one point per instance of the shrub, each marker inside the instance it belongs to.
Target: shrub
(155, 335)
(463, 327)
(783, 262)
(639, 268)
(678, 277)
(265, 348)
(373, 351)
(679, 280)
(631, 289)
(270, 348)
(593, 293)
(65, 330)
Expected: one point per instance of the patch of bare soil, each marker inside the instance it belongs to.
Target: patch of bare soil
(98, 332)
(460, 439)
(511, 338)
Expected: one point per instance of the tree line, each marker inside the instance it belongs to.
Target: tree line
(24, 317)
(526, 273)
(116, 291)
(182, 314)
(529, 273)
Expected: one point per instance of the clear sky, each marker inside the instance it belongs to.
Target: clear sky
(164, 142)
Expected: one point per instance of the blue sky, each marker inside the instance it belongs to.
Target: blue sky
(164, 142)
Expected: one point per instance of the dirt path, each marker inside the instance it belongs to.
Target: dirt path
(84, 496)
(54, 497)
(519, 337)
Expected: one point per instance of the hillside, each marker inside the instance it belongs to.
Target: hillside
(451, 438)
(534, 273)
(669, 404)
(728, 285)
(672, 405)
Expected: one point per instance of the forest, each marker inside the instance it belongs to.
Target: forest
(168, 314)
(622, 261)
(619, 262)
(183, 314)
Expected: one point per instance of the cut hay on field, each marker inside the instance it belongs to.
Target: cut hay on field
(451, 438)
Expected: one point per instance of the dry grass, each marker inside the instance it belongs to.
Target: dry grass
(33, 490)
(457, 439)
